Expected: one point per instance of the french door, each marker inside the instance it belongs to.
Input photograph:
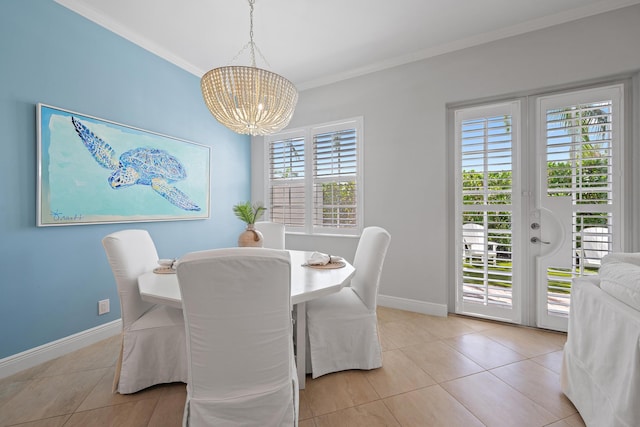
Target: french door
(537, 206)
(577, 203)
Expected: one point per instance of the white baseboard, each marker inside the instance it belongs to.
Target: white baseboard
(37, 355)
(413, 305)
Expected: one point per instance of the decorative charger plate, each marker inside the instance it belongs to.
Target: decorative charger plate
(329, 266)
(164, 270)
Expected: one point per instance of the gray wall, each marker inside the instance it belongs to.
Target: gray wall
(406, 158)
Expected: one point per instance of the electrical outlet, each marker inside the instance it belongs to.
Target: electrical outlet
(103, 306)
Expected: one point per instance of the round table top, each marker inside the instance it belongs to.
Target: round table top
(307, 283)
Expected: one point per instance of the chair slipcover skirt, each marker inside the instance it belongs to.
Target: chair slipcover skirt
(601, 358)
(343, 327)
(153, 351)
(153, 337)
(356, 346)
(262, 409)
(241, 364)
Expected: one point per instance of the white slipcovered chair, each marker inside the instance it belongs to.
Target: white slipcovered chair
(153, 347)
(241, 365)
(601, 358)
(475, 243)
(343, 327)
(272, 233)
(596, 243)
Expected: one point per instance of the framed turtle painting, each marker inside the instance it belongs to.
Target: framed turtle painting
(95, 171)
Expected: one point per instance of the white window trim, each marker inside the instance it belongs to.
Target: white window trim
(307, 133)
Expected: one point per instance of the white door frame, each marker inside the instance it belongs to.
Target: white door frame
(528, 301)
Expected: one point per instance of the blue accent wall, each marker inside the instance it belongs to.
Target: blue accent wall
(52, 277)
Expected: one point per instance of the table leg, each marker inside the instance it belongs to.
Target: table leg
(301, 343)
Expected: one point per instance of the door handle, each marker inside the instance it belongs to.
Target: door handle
(537, 240)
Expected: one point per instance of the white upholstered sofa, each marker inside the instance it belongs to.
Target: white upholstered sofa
(601, 362)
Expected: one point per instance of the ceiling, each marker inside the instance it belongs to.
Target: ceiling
(315, 42)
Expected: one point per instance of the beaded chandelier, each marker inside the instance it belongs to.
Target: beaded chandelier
(249, 100)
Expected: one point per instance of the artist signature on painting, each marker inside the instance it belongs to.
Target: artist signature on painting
(59, 216)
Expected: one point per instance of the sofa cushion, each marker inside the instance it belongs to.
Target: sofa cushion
(622, 281)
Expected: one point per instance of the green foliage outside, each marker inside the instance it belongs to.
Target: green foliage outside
(592, 179)
(339, 204)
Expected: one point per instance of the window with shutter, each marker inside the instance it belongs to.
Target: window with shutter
(313, 178)
(286, 178)
(334, 179)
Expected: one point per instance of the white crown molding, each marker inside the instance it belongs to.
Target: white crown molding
(82, 7)
(514, 30)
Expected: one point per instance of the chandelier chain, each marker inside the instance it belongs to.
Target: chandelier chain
(252, 43)
(249, 100)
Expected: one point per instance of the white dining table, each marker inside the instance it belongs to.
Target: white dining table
(307, 283)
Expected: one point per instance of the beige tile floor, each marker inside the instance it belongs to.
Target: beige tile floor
(453, 371)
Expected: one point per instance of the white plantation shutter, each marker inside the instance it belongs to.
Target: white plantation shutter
(580, 137)
(485, 142)
(335, 179)
(582, 152)
(313, 178)
(538, 201)
(287, 184)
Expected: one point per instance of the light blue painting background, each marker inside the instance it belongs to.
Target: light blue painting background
(74, 188)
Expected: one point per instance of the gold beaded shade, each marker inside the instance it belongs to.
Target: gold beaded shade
(249, 100)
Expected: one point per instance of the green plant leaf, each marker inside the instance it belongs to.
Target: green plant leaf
(249, 213)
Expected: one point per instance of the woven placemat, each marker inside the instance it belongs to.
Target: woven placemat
(331, 265)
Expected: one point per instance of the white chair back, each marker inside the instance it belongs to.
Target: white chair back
(130, 253)
(473, 236)
(237, 309)
(596, 243)
(272, 233)
(368, 261)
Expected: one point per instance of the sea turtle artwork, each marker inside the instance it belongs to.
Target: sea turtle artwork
(138, 166)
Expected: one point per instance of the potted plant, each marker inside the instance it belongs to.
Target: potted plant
(249, 213)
